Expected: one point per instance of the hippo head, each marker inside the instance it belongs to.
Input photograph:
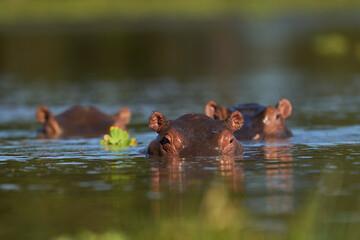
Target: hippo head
(79, 121)
(195, 135)
(260, 122)
(270, 123)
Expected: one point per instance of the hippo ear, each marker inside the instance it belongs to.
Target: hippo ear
(157, 121)
(215, 111)
(210, 109)
(235, 121)
(124, 115)
(43, 114)
(284, 107)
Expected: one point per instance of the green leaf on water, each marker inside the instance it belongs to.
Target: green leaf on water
(118, 137)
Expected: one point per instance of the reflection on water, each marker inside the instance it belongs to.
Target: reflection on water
(279, 176)
(180, 175)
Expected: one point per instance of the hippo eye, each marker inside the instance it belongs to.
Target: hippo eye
(232, 140)
(164, 141)
(277, 116)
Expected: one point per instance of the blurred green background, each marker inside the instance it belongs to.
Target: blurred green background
(122, 39)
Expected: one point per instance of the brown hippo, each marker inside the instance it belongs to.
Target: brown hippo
(80, 121)
(195, 135)
(260, 122)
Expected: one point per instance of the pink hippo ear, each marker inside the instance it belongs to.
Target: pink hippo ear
(235, 121)
(51, 126)
(157, 121)
(124, 116)
(284, 107)
(213, 110)
(210, 109)
(43, 114)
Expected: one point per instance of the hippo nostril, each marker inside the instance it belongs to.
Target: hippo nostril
(232, 140)
(277, 116)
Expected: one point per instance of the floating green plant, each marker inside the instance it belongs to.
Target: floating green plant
(118, 138)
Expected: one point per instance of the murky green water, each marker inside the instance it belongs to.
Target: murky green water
(304, 188)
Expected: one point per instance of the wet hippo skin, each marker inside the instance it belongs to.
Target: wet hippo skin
(195, 135)
(79, 121)
(260, 122)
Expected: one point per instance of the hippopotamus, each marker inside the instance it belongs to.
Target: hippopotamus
(195, 135)
(80, 121)
(260, 122)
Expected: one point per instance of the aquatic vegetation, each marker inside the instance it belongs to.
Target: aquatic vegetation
(80, 11)
(220, 217)
(119, 138)
(87, 235)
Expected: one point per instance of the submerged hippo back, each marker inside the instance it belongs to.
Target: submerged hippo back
(248, 110)
(251, 113)
(84, 121)
(79, 121)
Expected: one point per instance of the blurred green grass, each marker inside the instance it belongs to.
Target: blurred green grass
(220, 217)
(77, 11)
